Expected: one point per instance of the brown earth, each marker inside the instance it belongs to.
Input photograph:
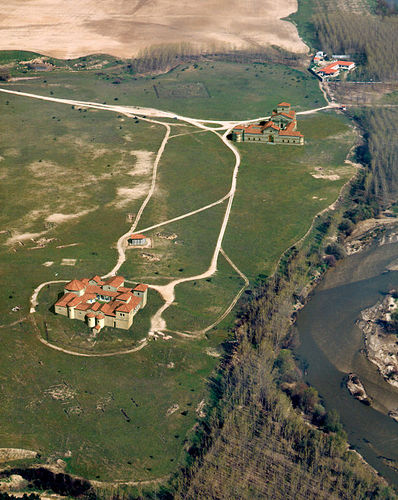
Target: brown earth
(124, 28)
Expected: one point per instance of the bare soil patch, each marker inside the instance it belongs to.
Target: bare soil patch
(59, 218)
(68, 262)
(125, 29)
(7, 454)
(126, 195)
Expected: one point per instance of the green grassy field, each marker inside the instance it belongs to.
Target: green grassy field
(233, 91)
(86, 419)
(276, 184)
(97, 166)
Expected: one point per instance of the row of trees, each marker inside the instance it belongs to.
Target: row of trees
(372, 40)
(164, 57)
(380, 153)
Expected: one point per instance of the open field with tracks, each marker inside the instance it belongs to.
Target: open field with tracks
(73, 181)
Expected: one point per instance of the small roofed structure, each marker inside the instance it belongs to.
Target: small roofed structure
(137, 240)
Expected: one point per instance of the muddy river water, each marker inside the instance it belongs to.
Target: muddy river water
(331, 346)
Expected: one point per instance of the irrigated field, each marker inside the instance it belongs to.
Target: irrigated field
(73, 181)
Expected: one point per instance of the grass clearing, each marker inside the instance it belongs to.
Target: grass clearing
(63, 183)
(103, 444)
(237, 91)
(276, 184)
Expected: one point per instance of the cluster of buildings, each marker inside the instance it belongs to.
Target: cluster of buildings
(325, 69)
(102, 303)
(281, 128)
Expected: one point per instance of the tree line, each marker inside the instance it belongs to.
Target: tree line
(370, 39)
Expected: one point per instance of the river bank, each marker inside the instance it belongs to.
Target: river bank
(332, 347)
(381, 338)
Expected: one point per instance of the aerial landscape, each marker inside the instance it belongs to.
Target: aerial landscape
(199, 250)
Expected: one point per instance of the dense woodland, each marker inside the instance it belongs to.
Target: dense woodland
(370, 39)
(381, 125)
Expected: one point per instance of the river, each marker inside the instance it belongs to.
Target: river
(331, 346)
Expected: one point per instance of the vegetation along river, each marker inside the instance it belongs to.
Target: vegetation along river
(331, 346)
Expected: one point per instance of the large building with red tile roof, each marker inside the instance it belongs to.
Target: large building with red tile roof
(101, 303)
(281, 128)
(332, 70)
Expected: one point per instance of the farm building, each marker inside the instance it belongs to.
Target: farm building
(333, 69)
(102, 303)
(137, 240)
(281, 128)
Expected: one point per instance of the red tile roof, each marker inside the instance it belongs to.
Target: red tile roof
(97, 279)
(254, 129)
(291, 114)
(105, 293)
(100, 316)
(90, 315)
(94, 289)
(109, 308)
(124, 296)
(115, 281)
(74, 302)
(137, 237)
(271, 124)
(96, 306)
(74, 286)
(289, 132)
(330, 68)
(345, 63)
(127, 307)
(284, 104)
(123, 289)
(65, 299)
(97, 327)
(141, 287)
(83, 306)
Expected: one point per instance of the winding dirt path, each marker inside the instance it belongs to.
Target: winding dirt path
(143, 344)
(158, 324)
(200, 333)
(122, 240)
(167, 291)
(36, 291)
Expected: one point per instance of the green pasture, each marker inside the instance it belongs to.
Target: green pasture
(58, 160)
(233, 91)
(199, 303)
(275, 184)
(195, 171)
(86, 421)
(188, 255)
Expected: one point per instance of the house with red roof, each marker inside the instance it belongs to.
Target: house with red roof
(332, 70)
(101, 303)
(281, 128)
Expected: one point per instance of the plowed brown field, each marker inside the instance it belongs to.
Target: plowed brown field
(124, 28)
